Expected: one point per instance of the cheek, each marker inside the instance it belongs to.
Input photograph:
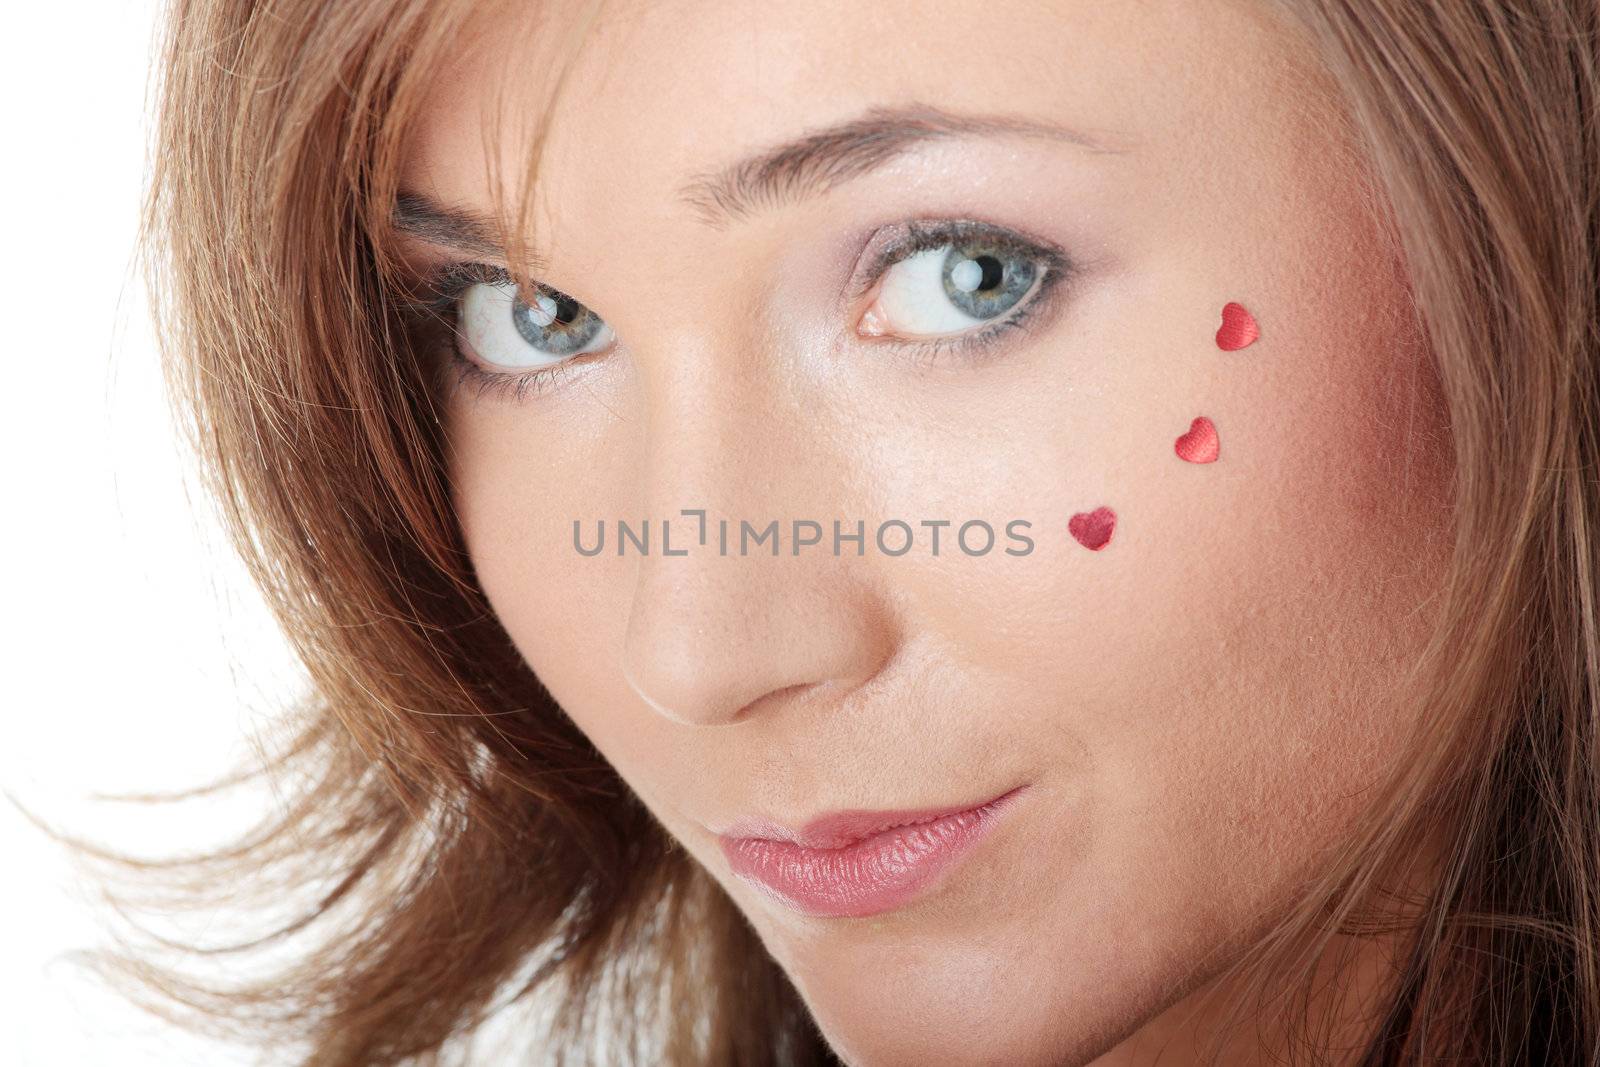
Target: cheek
(516, 497)
(1233, 658)
(1226, 671)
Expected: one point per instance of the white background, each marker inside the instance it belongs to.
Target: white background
(136, 655)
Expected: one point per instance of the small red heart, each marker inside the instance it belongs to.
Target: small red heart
(1200, 444)
(1093, 528)
(1238, 328)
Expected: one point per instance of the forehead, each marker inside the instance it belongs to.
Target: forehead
(660, 96)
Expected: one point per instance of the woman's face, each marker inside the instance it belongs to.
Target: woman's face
(1182, 719)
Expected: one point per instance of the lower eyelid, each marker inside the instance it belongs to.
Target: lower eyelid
(463, 370)
(1040, 301)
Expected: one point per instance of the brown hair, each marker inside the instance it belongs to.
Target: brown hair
(477, 848)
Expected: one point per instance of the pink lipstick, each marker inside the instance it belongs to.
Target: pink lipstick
(855, 863)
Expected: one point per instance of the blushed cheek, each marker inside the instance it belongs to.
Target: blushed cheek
(1308, 561)
(1229, 658)
(1359, 444)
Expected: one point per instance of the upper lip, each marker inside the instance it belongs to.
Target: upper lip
(838, 829)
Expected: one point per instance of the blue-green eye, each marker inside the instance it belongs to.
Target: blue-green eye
(506, 331)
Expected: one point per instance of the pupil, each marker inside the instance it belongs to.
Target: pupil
(993, 271)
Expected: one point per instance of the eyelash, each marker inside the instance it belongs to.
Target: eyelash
(448, 284)
(973, 345)
(445, 288)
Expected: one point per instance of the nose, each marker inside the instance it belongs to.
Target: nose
(727, 630)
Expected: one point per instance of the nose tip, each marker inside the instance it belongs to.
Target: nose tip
(683, 697)
(702, 652)
(673, 682)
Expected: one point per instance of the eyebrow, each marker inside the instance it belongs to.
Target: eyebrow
(804, 167)
(465, 230)
(818, 162)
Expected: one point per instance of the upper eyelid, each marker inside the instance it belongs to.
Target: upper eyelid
(459, 276)
(922, 234)
(445, 285)
(916, 235)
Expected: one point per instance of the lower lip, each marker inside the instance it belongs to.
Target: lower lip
(876, 874)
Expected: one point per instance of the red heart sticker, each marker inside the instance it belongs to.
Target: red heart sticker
(1093, 528)
(1238, 328)
(1200, 444)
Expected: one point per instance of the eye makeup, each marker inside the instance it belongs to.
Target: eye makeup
(439, 315)
(896, 243)
(447, 285)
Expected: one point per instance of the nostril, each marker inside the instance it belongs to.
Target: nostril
(774, 694)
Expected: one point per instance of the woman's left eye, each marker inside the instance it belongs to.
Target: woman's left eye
(950, 284)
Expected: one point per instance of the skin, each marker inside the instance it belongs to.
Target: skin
(1198, 710)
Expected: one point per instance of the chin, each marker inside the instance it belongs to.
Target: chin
(885, 997)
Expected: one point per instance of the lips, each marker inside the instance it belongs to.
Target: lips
(857, 863)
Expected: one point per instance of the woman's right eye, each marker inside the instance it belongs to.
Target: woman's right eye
(506, 332)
